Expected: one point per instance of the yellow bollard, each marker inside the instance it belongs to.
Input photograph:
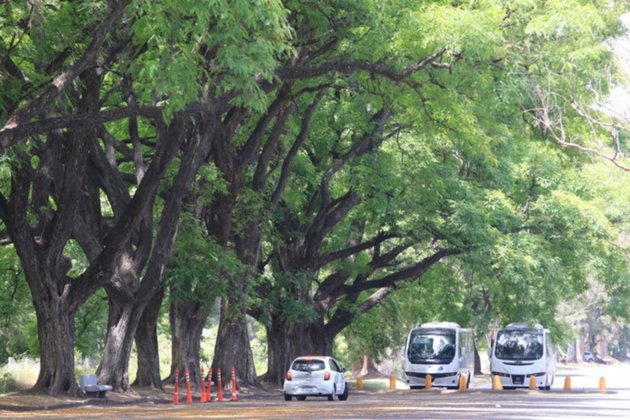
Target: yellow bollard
(567, 383)
(428, 382)
(359, 382)
(496, 383)
(392, 381)
(532, 383)
(602, 384)
(462, 383)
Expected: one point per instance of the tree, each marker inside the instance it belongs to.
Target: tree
(151, 78)
(462, 224)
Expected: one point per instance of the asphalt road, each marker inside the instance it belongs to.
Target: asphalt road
(583, 401)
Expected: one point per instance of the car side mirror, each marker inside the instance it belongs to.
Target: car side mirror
(342, 370)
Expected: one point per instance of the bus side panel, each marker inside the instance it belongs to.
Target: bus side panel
(466, 350)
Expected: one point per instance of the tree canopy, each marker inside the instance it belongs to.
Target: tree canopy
(313, 164)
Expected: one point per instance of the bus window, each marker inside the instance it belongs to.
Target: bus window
(519, 345)
(431, 347)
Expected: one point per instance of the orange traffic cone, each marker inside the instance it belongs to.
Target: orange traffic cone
(567, 383)
(220, 386)
(188, 394)
(463, 384)
(496, 383)
(176, 393)
(233, 398)
(203, 387)
(532, 383)
(428, 382)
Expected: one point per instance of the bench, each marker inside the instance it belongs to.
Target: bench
(89, 386)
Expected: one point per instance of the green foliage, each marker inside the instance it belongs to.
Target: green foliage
(18, 331)
(199, 267)
(286, 298)
(91, 326)
(463, 164)
(243, 44)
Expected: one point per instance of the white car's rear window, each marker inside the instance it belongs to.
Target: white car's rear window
(305, 365)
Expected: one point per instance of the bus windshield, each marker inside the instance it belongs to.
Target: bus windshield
(519, 345)
(431, 346)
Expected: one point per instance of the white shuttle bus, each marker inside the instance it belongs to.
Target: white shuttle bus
(443, 350)
(520, 351)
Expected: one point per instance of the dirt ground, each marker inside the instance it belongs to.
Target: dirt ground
(38, 400)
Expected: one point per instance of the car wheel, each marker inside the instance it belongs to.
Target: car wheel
(287, 397)
(344, 396)
(332, 396)
(300, 397)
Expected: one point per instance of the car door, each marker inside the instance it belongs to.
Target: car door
(340, 381)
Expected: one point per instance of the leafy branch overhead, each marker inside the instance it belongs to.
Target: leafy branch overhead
(305, 163)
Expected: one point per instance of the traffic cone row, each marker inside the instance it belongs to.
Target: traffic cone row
(206, 391)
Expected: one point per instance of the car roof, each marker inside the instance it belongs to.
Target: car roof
(308, 357)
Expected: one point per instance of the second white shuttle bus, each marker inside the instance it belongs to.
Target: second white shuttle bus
(521, 351)
(443, 350)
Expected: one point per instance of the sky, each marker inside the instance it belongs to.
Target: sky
(619, 98)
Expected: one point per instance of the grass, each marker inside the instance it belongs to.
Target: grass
(378, 384)
(18, 374)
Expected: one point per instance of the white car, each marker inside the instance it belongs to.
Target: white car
(315, 376)
(588, 357)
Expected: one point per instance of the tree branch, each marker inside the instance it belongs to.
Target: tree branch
(343, 253)
(348, 67)
(9, 134)
(299, 141)
(408, 273)
(550, 117)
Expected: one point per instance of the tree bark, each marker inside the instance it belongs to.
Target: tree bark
(232, 348)
(148, 373)
(187, 322)
(121, 327)
(477, 369)
(288, 341)
(55, 328)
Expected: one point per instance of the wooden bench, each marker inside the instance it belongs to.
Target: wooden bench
(91, 388)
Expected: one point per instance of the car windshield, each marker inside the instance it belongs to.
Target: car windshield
(519, 345)
(305, 365)
(431, 346)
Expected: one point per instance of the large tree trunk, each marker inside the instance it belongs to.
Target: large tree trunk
(148, 373)
(477, 367)
(286, 342)
(232, 348)
(121, 327)
(187, 322)
(55, 328)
